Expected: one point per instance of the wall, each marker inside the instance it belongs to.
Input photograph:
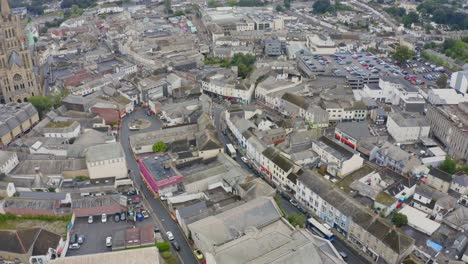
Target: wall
(104, 169)
(348, 166)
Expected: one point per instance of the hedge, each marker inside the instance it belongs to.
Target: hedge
(163, 246)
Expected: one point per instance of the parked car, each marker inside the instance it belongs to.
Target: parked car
(74, 239)
(109, 241)
(175, 245)
(170, 236)
(74, 246)
(198, 254)
(156, 229)
(123, 216)
(131, 192)
(90, 219)
(293, 202)
(145, 213)
(139, 217)
(104, 218)
(343, 255)
(81, 239)
(117, 217)
(244, 159)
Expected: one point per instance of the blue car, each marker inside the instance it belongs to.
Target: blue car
(139, 217)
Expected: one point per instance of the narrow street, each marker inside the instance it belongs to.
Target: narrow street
(353, 256)
(162, 216)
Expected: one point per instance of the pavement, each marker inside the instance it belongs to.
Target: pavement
(157, 209)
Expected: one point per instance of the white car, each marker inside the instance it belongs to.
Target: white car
(90, 219)
(244, 159)
(145, 213)
(108, 241)
(170, 236)
(104, 218)
(74, 246)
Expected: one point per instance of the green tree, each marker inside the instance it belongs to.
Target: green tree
(163, 246)
(322, 6)
(168, 6)
(449, 165)
(159, 147)
(287, 4)
(442, 81)
(213, 3)
(279, 8)
(411, 18)
(402, 54)
(296, 219)
(41, 103)
(231, 3)
(179, 13)
(399, 219)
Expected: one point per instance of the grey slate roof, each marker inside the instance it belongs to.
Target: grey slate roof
(357, 130)
(104, 152)
(441, 174)
(461, 179)
(5, 156)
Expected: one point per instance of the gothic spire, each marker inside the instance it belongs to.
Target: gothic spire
(5, 7)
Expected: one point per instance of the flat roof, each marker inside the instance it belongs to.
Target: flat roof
(419, 220)
(156, 166)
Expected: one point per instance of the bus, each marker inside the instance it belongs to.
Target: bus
(319, 229)
(231, 151)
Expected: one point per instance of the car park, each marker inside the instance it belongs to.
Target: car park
(198, 254)
(175, 245)
(104, 218)
(109, 241)
(169, 235)
(90, 219)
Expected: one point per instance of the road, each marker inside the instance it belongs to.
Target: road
(219, 123)
(159, 211)
(353, 256)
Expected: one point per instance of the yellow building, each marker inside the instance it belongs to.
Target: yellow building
(15, 120)
(17, 76)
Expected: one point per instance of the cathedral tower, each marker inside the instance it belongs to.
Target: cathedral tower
(17, 76)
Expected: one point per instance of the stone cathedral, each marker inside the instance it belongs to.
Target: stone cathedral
(17, 75)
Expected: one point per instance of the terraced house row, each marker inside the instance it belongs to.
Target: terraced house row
(16, 119)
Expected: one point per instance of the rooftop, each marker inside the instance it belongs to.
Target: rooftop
(104, 152)
(147, 255)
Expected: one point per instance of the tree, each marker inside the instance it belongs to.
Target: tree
(399, 219)
(41, 103)
(279, 8)
(287, 4)
(322, 6)
(231, 2)
(296, 219)
(168, 6)
(442, 81)
(449, 165)
(411, 18)
(159, 147)
(402, 54)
